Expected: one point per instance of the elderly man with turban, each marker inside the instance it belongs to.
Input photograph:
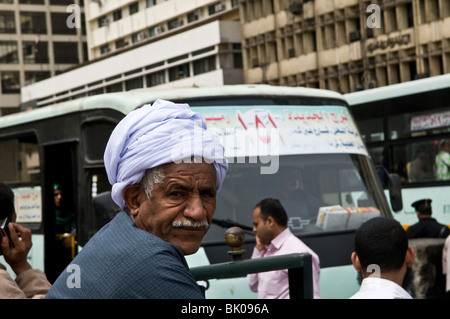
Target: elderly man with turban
(165, 169)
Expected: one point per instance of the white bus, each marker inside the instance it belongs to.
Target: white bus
(403, 126)
(296, 144)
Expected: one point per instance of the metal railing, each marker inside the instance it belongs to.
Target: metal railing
(299, 271)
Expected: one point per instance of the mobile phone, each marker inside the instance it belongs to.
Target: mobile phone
(5, 231)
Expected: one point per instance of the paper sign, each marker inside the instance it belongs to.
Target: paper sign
(28, 204)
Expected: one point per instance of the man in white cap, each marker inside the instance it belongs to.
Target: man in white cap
(165, 169)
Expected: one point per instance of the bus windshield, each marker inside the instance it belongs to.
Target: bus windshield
(320, 192)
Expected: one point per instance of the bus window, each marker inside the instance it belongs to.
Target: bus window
(304, 184)
(19, 160)
(420, 166)
(415, 162)
(95, 135)
(371, 126)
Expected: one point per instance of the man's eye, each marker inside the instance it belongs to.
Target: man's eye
(177, 193)
(208, 193)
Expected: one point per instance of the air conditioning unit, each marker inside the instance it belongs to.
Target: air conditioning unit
(140, 36)
(219, 7)
(158, 29)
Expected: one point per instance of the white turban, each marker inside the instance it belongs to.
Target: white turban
(158, 134)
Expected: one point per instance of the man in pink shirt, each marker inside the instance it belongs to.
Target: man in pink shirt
(273, 238)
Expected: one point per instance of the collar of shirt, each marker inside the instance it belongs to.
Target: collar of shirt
(379, 288)
(278, 241)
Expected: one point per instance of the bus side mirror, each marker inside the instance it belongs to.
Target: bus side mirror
(394, 184)
(395, 192)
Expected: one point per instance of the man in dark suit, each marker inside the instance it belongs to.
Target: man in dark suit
(165, 178)
(427, 227)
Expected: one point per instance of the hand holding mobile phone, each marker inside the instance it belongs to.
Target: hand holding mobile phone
(5, 231)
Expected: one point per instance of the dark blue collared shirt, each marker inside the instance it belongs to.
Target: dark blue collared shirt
(123, 261)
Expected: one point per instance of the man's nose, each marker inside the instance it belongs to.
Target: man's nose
(195, 208)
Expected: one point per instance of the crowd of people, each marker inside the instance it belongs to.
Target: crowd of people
(168, 199)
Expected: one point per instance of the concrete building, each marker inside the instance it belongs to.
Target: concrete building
(344, 45)
(341, 45)
(150, 43)
(38, 39)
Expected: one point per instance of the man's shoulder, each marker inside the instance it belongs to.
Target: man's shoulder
(123, 263)
(293, 244)
(122, 240)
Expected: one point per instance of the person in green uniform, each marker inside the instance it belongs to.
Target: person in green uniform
(65, 229)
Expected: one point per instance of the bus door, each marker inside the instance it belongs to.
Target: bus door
(60, 206)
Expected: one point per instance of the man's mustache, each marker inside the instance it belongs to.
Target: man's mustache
(190, 223)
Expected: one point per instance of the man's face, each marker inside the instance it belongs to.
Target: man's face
(58, 197)
(12, 219)
(187, 193)
(260, 227)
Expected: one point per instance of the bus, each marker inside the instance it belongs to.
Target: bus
(299, 145)
(404, 127)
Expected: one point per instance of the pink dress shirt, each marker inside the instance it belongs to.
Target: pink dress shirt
(275, 284)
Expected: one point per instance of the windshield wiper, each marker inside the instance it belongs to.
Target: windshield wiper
(227, 223)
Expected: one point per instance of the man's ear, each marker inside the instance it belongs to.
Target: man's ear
(409, 258)
(269, 221)
(131, 197)
(355, 261)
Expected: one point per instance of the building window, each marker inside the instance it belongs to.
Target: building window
(66, 52)
(179, 72)
(8, 52)
(10, 82)
(7, 24)
(135, 83)
(29, 1)
(114, 88)
(61, 2)
(35, 52)
(121, 43)
(103, 22)
(59, 24)
(204, 65)
(117, 15)
(95, 92)
(33, 22)
(134, 8)
(156, 78)
(104, 49)
(150, 3)
(201, 51)
(35, 76)
(175, 23)
(237, 61)
(215, 8)
(194, 15)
